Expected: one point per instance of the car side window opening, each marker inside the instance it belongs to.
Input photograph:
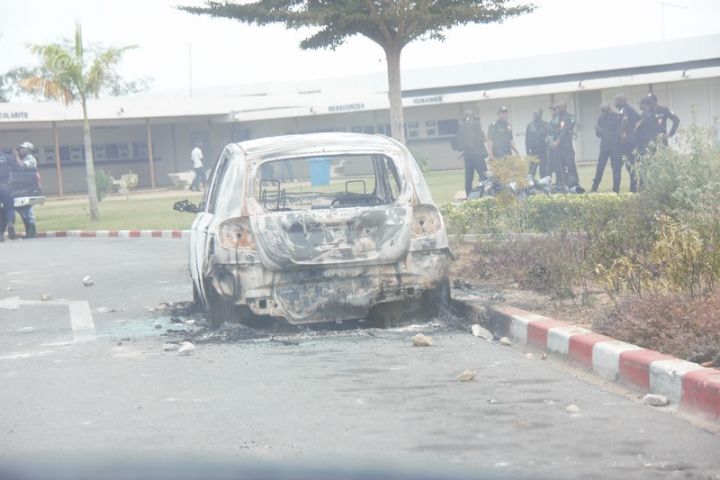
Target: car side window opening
(218, 173)
(325, 182)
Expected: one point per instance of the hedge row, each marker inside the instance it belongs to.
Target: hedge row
(538, 213)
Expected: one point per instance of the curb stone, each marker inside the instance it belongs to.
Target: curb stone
(114, 234)
(693, 388)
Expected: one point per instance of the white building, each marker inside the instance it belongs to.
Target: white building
(685, 75)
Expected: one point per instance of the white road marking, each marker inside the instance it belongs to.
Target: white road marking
(82, 321)
(81, 318)
(16, 355)
(10, 303)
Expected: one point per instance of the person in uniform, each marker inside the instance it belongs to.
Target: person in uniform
(27, 160)
(647, 129)
(536, 135)
(628, 118)
(470, 140)
(562, 152)
(662, 115)
(7, 203)
(608, 130)
(500, 137)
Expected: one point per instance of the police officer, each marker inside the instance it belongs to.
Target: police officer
(608, 130)
(500, 136)
(26, 213)
(536, 135)
(470, 140)
(647, 130)
(7, 215)
(562, 130)
(628, 118)
(662, 115)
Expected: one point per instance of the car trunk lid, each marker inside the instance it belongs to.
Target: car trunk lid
(357, 235)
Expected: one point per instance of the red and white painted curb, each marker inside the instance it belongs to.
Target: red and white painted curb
(115, 234)
(695, 389)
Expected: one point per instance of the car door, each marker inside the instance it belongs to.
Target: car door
(201, 239)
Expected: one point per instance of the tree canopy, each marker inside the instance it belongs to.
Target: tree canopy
(391, 24)
(386, 22)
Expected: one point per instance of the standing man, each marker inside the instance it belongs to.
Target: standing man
(647, 130)
(628, 118)
(536, 143)
(500, 136)
(197, 162)
(7, 202)
(29, 162)
(562, 130)
(662, 115)
(608, 130)
(470, 140)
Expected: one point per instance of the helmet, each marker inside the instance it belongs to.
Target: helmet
(27, 145)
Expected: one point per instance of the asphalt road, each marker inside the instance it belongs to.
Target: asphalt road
(351, 398)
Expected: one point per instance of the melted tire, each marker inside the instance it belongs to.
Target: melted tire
(218, 309)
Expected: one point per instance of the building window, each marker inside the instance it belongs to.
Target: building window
(447, 127)
(112, 152)
(123, 151)
(369, 129)
(140, 150)
(99, 152)
(48, 155)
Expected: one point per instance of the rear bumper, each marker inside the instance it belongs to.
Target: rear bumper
(324, 294)
(29, 201)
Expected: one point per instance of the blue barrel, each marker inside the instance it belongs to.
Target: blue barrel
(319, 171)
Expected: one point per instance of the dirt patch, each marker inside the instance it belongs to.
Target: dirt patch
(478, 273)
(672, 324)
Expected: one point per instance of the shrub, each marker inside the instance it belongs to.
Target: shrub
(672, 324)
(103, 184)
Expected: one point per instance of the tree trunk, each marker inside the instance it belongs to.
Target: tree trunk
(397, 123)
(90, 167)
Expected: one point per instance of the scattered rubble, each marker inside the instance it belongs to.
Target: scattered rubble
(105, 310)
(87, 281)
(461, 284)
(157, 325)
(186, 348)
(492, 401)
(529, 356)
(466, 376)
(505, 341)
(654, 400)
(175, 320)
(170, 347)
(481, 332)
(573, 409)
(544, 356)
(45, 297)
(421, 340)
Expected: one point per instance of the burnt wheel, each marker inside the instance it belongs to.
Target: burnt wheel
(218, 308)
(437, 301)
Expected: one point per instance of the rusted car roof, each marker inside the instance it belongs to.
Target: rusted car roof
(316, 143)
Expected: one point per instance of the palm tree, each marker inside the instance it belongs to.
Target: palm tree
(66, 75)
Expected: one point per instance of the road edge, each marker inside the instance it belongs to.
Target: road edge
(113, 234)
(693, 388)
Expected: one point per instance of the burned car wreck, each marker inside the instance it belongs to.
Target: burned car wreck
(316, 228)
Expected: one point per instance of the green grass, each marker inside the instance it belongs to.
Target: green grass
(154, 210)
(116, 213)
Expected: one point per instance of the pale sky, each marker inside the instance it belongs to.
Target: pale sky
(226, 52)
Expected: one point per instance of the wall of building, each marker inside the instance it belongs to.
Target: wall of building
(429, 130)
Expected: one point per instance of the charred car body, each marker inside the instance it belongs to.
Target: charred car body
(316, 228)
